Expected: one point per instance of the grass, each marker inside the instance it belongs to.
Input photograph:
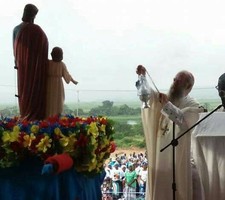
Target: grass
(126, 118)
(131, 141)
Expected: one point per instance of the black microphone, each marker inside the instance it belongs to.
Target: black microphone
(222, 96)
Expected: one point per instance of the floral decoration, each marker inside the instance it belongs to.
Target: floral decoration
(89, 141)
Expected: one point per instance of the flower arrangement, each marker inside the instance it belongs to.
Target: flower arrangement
(89, 141)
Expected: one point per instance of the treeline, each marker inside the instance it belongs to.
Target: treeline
(106, 109)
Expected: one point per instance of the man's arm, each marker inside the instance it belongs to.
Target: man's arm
(181, 116)
(173, 113)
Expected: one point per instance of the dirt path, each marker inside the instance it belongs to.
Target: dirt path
(128, 151)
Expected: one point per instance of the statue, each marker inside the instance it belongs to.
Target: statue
(30, 45)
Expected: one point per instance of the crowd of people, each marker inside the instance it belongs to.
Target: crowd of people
(126, 177)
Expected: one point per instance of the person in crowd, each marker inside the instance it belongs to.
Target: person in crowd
(30, 47)
(130, 181)
(108, 170)
(122, 176)
(143, 178)
(116, 181)
(178, 107)
(137, 170)
(55, 90)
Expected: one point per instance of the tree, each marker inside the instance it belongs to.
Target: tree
(107, 104)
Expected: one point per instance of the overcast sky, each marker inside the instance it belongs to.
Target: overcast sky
(104, 40)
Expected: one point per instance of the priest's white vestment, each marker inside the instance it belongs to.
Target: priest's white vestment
(158, 130)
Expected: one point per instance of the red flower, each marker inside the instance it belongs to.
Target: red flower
(82, 141)
(43, 124)
(21, 137)
(112, 146)
(54, 119)
(25, 123)
(103, 121)
(64, 122)
(10, 125)
(73, 124)
(90, 119)
(16, 146)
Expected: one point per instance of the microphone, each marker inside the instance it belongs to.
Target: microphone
(222, 96)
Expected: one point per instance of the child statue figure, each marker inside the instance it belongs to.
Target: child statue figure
(143, 88)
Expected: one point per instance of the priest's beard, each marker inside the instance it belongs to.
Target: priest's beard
(176, 95)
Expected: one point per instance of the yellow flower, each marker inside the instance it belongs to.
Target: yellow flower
(28, 140)
(64, 118)
(16, 129)
(58, 132)
(104, 142)
(101, 155)
(102, 128)
(34, 129)
(99, 165)
(44, 144)
(93, 129)
(10, 136)
(68, 143)
(92, 165)
(93, 158)
(93, 141)
(64, 141)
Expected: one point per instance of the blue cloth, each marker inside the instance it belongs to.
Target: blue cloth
(47, 169)
(91, 187)
(26, 182)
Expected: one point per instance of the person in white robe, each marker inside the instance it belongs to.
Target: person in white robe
(157, 122)
(56, 72)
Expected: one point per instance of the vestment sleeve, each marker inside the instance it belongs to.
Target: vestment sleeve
(173, 113)
(185, 117)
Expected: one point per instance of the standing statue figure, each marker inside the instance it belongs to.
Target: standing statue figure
(30, 45)
(55, 89)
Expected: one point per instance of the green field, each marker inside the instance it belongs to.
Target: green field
(126, 118)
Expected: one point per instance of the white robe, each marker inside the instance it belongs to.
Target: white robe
(159, 184)
(55, 96)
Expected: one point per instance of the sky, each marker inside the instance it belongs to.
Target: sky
(104, 41)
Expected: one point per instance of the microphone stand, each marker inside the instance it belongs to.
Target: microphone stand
(174, 186)
(174, 143)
